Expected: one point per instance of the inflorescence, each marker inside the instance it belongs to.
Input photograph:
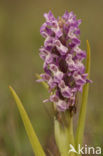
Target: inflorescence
(63, 66)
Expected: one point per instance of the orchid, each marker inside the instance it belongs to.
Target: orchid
(65, 76)
(63, 59)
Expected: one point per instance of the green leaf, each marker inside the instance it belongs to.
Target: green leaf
(82, 115)
(37, 148)
(64, 136)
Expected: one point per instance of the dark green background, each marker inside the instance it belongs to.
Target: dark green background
(20, 41)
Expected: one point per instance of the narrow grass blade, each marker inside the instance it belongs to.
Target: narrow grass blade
(43, 83)
(37, 148)
(82, 115)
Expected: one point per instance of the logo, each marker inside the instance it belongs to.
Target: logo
(85, 150)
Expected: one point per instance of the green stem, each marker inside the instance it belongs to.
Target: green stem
(71, 135)
(70, 130)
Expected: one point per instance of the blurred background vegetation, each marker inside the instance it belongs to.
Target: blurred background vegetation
(20, 40)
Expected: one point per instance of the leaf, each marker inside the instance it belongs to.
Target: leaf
(64, 136)
(61, 137)
(82, 115)
(37, 148)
